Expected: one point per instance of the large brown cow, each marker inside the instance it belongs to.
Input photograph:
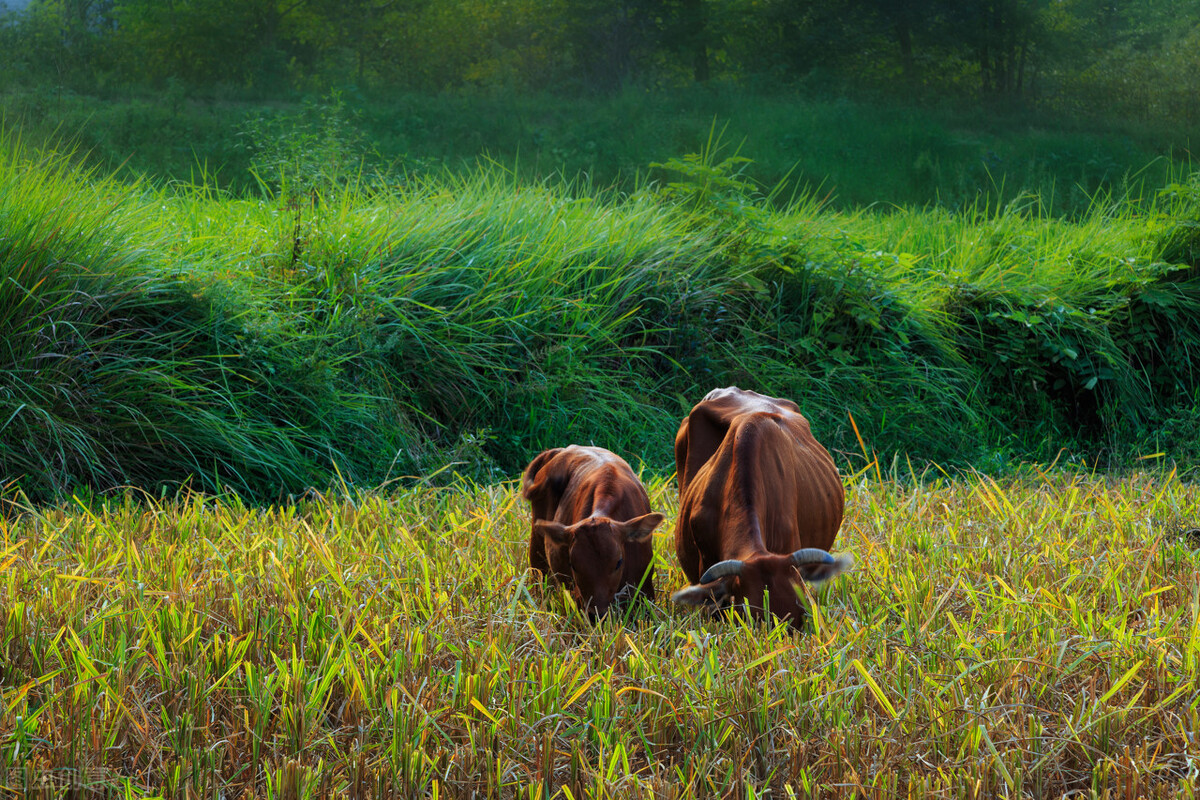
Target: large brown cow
(760, 502)
(591, 524)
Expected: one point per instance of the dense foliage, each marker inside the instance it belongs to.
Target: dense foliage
(1138, 59)
(368, 330)
(854, 152)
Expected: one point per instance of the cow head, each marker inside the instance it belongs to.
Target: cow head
(592, 554)
(769, 578)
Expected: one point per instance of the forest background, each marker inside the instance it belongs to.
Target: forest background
(1130, 59)
(879, 100)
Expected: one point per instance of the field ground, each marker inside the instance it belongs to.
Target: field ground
(1032, 637)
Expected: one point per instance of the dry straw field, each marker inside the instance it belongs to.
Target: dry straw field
(1029, 637)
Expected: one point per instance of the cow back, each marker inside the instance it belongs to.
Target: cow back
(803, 502)
(570, 484)
(752, 478)
(704, 429)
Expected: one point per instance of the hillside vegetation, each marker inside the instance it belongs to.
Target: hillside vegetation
(357, 328)
(1017, 638)
(851, 151)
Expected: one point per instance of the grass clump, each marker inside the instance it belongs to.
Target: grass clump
(345, 329)
(1083, 328)
(122, 367)
(1028, 636)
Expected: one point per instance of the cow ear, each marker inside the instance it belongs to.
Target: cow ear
(817, 573)
(554, 531)
(704, 595)
(639, 529)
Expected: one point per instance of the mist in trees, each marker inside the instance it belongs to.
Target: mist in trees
(1137, 56)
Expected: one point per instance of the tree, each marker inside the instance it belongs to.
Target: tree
(685, 32)
(1004, 36)
(611, 39)
(65, 36)
(901, 21)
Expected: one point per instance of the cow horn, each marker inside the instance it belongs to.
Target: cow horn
(811, 555)
(722, 569)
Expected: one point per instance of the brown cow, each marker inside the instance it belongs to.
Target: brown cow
(591, 524)
(760, 502)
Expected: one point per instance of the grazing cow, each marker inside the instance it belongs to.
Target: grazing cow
(760, 502)
(591, 524)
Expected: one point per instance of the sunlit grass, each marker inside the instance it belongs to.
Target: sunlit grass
(1023, 637)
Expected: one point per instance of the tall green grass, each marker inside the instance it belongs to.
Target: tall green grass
(122, 366)
(357, 330)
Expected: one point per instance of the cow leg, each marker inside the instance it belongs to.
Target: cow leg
(537, 553)
(639, 570)
(647, 588)
(687, 551)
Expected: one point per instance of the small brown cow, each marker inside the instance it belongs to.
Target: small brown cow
(760, 502)
(591, 524)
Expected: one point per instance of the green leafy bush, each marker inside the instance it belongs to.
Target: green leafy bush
(160, 337)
